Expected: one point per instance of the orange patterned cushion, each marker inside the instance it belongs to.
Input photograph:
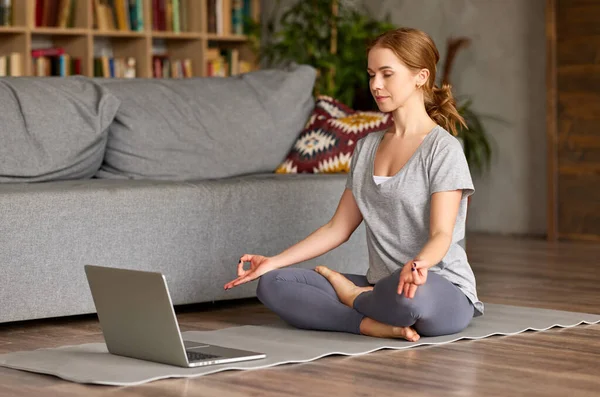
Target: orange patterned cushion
(327, 142)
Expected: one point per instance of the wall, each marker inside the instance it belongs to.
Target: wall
(503, 70)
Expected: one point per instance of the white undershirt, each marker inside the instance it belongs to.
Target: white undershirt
(380, 179)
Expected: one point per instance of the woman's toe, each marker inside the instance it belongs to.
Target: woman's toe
(323, 270)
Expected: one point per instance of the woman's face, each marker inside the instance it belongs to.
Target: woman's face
(391, 82)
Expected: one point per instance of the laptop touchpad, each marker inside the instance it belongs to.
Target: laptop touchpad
(194, 345)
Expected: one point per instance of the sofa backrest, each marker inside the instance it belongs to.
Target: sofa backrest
(53, 128)
(203, 128)
(171, 129)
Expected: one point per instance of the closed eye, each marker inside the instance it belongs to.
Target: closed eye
(385, 75)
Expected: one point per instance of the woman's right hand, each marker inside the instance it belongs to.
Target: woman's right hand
(259, 265)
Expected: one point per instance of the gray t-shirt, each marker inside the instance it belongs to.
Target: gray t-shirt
(396, 212)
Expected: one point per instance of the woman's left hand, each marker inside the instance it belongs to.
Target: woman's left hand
(413, 274)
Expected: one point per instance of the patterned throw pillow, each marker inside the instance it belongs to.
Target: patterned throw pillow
(327, 142)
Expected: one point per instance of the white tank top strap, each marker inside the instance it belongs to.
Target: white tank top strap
(380, 179)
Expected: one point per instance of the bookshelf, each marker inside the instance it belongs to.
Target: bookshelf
(194, 32)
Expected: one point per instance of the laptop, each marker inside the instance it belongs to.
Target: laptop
(138, 320)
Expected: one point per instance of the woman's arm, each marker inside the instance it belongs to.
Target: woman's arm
(444, 209)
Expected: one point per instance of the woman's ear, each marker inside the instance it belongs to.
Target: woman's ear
(422, 77)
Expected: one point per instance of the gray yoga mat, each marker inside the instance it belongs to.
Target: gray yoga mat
(283, 344)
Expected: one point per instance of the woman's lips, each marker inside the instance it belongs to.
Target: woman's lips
(381, 98)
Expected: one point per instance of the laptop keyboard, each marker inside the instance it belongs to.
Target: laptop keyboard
(196, 356)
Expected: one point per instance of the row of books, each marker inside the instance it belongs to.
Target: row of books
(109, 67)
(226, 62)
(121, 67)
(224, 16)
(170, 15)
(56, 62)
(11, 65)
(228, 16)
(55, 13)
(166, 67)
(60, 65)
(124, 15)
(6, 13)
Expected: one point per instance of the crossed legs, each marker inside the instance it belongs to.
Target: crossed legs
(331, 301)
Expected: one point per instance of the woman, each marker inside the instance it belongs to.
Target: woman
(410, 185)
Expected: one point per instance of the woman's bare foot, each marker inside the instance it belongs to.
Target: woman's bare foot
(370, 327)
(345, 289)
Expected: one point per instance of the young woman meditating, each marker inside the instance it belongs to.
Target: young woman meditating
(410, 185)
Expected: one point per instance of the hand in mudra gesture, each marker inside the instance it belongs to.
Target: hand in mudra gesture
(412, 275)
(259, 265)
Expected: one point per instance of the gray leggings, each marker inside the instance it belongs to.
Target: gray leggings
(305, 299)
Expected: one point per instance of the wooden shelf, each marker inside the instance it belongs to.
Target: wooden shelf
(12, 29)
(180, 35)
(59, 31)
(83, 40)
(117, 33)
(226, 37)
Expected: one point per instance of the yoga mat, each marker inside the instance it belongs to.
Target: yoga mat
(283, 344)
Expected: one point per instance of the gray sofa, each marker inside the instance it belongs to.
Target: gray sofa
(173, 176)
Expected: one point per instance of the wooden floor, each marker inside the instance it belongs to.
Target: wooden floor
(518, 271)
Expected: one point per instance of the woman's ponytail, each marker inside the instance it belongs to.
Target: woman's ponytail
(441, 107)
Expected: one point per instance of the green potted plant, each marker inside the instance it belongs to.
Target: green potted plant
(332, 36)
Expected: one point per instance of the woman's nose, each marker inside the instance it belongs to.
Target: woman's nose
(376, 83)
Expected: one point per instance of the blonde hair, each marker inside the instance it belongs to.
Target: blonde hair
(418, 51)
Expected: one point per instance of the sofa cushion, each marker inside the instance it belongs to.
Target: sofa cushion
(52, 128)
(328, 140)
(207, 127)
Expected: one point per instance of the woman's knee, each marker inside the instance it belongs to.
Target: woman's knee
(266, 286)
(443, 326)
(417, 306)
(450, 317)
